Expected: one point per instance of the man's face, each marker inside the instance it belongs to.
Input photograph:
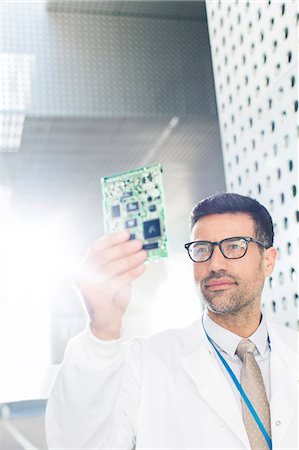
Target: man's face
(229, 285)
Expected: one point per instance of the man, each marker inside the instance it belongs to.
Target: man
(226, 382)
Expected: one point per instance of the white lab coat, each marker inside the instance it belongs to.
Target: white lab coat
(163, 392)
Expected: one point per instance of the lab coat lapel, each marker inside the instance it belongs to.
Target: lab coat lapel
(212, 385)
(284, 403)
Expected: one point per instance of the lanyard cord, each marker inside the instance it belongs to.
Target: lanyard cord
(242, 392)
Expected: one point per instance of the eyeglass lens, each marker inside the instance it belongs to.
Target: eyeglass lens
(231, 248)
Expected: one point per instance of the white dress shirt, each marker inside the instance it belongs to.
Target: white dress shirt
(226, 343)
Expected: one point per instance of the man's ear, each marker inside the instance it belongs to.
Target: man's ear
(270, 256)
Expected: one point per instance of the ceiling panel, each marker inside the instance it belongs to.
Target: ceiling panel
(106, 81)
(62, 161)
(104, 88)
(187, 10)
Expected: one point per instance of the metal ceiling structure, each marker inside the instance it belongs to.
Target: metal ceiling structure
(108, 77)
(61, 162)
(178, 10)
(105, 80)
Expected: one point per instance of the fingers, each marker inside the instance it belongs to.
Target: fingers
(119, 282)
(126, 264)
(115, 253)
(112, 247)
(111, 256)
(107, 242)
(105, 280)
(95, 286)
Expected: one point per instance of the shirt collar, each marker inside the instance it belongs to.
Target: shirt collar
(229, 341)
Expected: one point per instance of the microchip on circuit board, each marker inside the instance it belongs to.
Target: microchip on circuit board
(134, 200)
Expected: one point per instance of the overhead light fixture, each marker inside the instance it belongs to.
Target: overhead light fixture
(11, 131)
(15, 82)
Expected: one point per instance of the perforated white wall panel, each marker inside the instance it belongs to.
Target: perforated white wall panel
(255, 57)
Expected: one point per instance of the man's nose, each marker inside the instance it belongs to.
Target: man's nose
(217, 260)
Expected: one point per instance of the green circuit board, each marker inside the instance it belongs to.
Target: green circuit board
(134, 201)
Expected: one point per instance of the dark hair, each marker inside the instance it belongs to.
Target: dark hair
(225, 202)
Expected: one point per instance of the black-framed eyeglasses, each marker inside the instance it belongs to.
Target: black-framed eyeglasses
(231, 248)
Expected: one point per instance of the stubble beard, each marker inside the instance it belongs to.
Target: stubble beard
(241, 299)
(225, 302)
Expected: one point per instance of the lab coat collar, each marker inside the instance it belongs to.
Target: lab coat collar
(284, 400)
(202, 367)
(200, 364)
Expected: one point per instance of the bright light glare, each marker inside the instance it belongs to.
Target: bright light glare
(32, 256)
(163, 297)
(176, 302)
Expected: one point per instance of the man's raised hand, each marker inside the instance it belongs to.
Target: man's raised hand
(105, 281)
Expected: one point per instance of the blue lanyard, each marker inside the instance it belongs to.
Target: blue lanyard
(242, 392)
